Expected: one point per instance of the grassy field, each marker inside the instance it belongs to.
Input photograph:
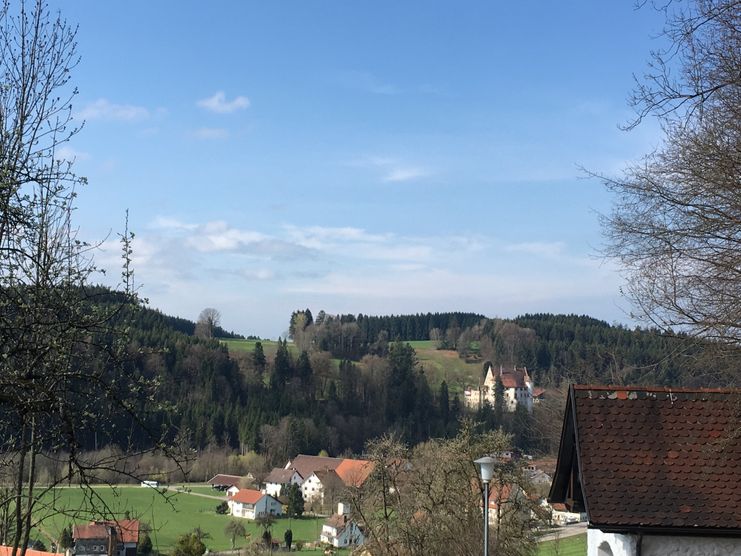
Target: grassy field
(570, 546)
(269, 347)
(170, 518)
(438, 364)
(445, 365)
(201, 489)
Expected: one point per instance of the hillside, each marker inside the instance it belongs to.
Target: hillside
(214, 393)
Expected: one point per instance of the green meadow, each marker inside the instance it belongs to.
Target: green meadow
(445, 365)
(570, 546)
(438, 364)
(169, 515)
(269, 347)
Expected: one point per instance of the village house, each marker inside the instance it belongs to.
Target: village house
(229, 482)
(322, 483)
(278, 479)
(656, 470)
(340, 530)
(354, 472)
(111, 538)
(306, 465)
(516, 384)
(560, 515)
(251, 504)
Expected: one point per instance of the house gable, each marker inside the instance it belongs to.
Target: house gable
(652, 460)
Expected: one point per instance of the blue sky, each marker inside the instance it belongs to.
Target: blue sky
(376, 157)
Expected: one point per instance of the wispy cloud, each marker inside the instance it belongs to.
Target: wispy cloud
(539, 248)
(350, 268)
(210, 133)
(219, 236)
(393, 170)
(404, 173)
(167, 223)
(219, 104)
(367, 82)
(70, 154)
(103, 109)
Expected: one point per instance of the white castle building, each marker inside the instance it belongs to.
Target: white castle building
(518, 388)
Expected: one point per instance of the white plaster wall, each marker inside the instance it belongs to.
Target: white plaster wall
(621, 545)
(273, 489)
(659, 545)
(690, 546)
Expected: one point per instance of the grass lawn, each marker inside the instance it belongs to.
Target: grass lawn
(202, 489)
(570, 546)
(445, 365)
(170, 518)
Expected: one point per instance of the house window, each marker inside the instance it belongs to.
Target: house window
(604, 549)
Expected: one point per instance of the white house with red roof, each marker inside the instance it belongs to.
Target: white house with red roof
(516, 383)
(251, 504)
(111, 538)
(278, 479)
(340, 530)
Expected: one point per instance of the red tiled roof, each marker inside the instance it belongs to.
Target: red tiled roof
(306, 465)
(90, 531)
(354, 472)
(654, 458)
(248, 496)
(225, 480)
(511, 378)
(8, 551)
(498, 494)
(128, 530)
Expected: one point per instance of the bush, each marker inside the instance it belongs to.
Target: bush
(222, 508)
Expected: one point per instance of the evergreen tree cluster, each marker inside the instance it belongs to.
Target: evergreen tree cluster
(351, 337)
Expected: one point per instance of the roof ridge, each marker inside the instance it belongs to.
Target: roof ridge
(665, 389)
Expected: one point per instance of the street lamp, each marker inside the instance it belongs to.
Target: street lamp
(486, 467)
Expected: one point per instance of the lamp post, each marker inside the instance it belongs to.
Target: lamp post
(486, 467)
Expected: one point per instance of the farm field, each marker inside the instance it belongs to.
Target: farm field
(570, 546)
(169, 517)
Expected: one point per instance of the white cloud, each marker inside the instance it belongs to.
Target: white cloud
(392, 169)
(69, 154)
(317, 237)
(219, 236)
(543, 249)
(103, 109)
(210, 133)
(218, 103)
(402, 174)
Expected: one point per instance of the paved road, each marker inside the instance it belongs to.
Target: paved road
(567, 531)
(175, 489)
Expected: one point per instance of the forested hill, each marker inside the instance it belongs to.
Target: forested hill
(304, 401)
(575, 348)
(578, 348)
